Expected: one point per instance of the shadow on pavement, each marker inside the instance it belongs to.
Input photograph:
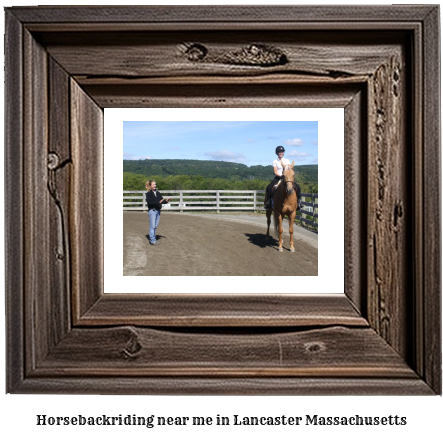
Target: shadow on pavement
(259, 240)
(159, 236)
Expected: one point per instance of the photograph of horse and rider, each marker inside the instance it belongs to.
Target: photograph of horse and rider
(214, 217)
(283, 197)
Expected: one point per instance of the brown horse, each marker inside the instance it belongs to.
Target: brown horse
(285, 204)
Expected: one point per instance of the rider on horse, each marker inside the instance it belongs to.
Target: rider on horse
(278, 165)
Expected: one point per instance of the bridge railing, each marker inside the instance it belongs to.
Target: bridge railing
(219, 200)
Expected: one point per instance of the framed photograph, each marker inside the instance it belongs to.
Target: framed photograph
(196, 242)
(65, 65)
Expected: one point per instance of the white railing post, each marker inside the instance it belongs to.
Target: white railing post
(301, 208)
(211, 200)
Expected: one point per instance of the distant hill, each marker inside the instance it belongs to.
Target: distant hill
(307, 174)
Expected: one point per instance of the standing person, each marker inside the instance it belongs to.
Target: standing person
(154, 199)
(278, 165)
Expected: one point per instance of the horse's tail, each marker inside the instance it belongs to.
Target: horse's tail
(298, 195)
(275, 222)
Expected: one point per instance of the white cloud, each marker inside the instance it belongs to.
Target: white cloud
(128, 156)
(225, 155)
(294, 142)
(297, 154)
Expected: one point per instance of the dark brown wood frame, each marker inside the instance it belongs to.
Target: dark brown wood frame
(64, 65)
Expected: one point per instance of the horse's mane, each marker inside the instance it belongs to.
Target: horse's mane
(288, 167)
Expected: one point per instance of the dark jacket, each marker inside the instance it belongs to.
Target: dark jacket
(153, 201)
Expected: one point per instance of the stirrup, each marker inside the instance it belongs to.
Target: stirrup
(268, 206)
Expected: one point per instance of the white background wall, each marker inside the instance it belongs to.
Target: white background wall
(18, 412)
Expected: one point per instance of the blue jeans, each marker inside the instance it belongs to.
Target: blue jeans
(154, 219)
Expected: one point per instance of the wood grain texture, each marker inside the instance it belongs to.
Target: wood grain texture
(388, 262)
(38, 306)
(223, 14)
(226, 386)
(130, 351)
(86, 197)
(384, 340)
(355, 189)
(14, 238)
(418, 358)
(166, 54)
(239, 310)
(229, 96)
(431, 316)
(59, 166)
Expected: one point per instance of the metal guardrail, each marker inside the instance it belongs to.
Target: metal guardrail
(219, 200)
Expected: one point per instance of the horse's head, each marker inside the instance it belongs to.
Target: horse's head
(289, 178)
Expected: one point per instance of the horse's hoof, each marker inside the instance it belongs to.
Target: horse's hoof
(292, 250)
(280, 249)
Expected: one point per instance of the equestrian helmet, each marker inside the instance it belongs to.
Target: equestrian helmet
(279, 149)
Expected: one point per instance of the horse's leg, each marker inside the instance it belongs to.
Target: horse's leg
(291, 230)
(268, 217)
(280, 232)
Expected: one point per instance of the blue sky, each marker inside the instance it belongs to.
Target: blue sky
(250, 143)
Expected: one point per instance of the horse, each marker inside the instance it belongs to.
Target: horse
(285, 204)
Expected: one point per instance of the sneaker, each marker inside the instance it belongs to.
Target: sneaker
(154, 243)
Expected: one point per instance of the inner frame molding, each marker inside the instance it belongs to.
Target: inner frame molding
(64, 65)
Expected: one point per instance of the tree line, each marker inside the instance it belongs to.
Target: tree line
(134, 181)
(305, 175)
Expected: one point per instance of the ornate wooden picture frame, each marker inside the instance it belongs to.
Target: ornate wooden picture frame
(65, 64)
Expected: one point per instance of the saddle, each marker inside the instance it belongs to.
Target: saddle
(273, 190)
